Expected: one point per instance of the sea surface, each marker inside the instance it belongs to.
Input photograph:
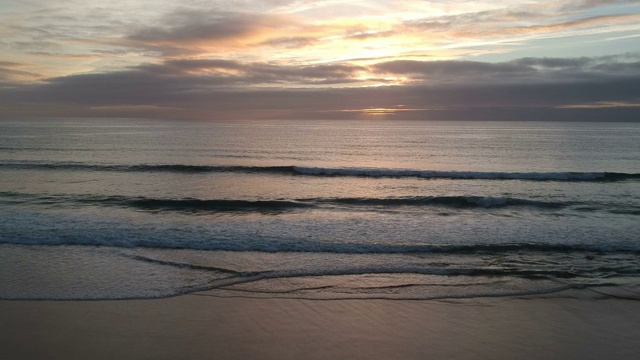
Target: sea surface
(125, 208)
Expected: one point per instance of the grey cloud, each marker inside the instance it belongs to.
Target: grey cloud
(512, 102)
(364, 33)
(124, 87)
(256, 72)
(50, 33)
(181, 66)
(193, 26)
(172, 85)
(48, 16)
(577, 23)
(35, 33)
(554, 62)
(9, 71)
(291, 42)
(173, 82)
(333, 72)
(589, 4)
(473, 19)
(533, 70)
(7, 74)
(501, 22)
(453, 70)
(9, 63)
(621, 69)
(36, 46)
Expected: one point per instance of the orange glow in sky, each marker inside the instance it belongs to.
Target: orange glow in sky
(186, 55)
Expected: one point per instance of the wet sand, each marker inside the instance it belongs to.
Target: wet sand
(207, 327)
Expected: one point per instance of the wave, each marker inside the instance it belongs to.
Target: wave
(189, 205)
(177, 168)
(449, 201)
(197, 205)
(306, 246)
(400, 268)
(590, 250)
(192, 205)
(462, 175)
(331, 172)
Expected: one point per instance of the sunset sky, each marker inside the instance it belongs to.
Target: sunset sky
(249, 59)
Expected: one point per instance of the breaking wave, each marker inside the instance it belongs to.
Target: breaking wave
(192, 205)
(334, 172)
(306, 246)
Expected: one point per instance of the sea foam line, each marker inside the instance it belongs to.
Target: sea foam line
(526, 272)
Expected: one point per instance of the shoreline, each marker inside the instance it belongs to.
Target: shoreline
(200, 327)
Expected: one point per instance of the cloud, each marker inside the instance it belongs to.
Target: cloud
(603, 105)
(292, 42)
(230, 72)
(468, 19)
(526, 21)
(206, 88)
(12, 73)
(186, 28)
(589, 4)
(363, 33)
(527, 70)
(121, 34)
(607, 20)
(554, 63)
(454, 71)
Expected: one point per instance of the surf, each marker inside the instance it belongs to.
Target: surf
(294, 170)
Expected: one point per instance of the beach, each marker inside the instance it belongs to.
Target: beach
(204, 326)
(319, 180)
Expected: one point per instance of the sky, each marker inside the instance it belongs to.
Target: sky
(327, 59)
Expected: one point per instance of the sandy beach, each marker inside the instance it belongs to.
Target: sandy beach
(201, 326)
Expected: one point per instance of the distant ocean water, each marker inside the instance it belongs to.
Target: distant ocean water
(118, 209)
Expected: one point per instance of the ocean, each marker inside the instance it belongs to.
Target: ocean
(384, 209)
